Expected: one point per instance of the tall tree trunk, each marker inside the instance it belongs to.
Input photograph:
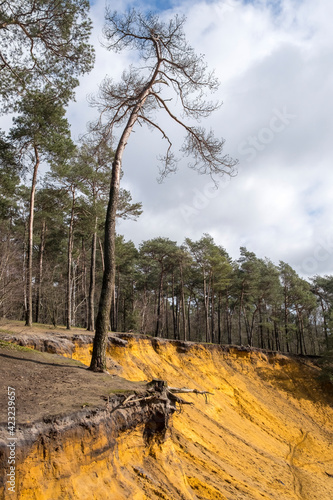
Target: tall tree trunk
(286, 329)
(206, 302)
(28, 317)
(323, 309)
(84, 284)
(173, 307)
(144, 311)
(228, 317)
(116, 304)
(24, 271)
(160, 291)
(197, 321)
(98, 360)
(240, 315)
(102, 253)
(189, 318)
(92, 283)
(166, 303)
(40, 272)
(183, 301)
(212, 306)
(277, 339)
(261, 329)
(73, 290)
(219, 318)
(69, 264)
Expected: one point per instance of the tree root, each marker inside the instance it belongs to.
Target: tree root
(160, 392)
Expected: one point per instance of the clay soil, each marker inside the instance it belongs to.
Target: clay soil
(49, 385)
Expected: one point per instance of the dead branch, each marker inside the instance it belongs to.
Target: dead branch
(185, 390)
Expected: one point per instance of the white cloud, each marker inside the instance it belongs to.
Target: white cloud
(271, 64)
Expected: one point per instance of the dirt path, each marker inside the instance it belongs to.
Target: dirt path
(49, 385)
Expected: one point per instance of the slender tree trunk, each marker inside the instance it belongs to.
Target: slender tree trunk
(124, 314)
(28, 317)
(144, 311)
(277, 339)
(189, 318)
(219, 318)
(69, 264)
(98, 361)
(166, 303)
(24, 271)
(116, 302)
(183, 301)
(92, 283)
(212, 319)
(323, 309)
(286, 330)
(102, 253)
(261, 330)
(178, 316)
(173, 308)
(198, 322)
(73, 290)
(40, 272)
(250, 328)
(240, 316)
(206, 303)
(160, 290)
(84, 284)
(228, 317)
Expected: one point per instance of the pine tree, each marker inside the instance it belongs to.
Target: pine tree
(167, 61)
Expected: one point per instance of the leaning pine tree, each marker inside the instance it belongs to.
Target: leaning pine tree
(169, 64)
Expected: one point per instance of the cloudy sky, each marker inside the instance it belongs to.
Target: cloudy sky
(275, 63)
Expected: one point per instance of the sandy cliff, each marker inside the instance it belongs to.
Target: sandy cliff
(265, 433)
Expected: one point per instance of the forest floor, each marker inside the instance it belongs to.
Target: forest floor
(50, 385)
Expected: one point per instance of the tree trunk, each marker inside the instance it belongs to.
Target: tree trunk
(277, 339)
(84, 284)
(286, 330)
(102, 254)
(40, 272)
(261, 329)
(183, 301)
(323, 309)
(173, 307)
(160, 290)
(240, 316)
(98, 360)
(206, 299)
(28, 317)
(219, 336)
(189, 318)
(69, 265)
(144, 311)
(228, 317)
(73, 291)
(92, 283)
(24, 271)
(166, 304)
(212, 308)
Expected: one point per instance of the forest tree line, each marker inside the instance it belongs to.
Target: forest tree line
(193, 291)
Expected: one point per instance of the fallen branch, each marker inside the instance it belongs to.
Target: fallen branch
(185, 390)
